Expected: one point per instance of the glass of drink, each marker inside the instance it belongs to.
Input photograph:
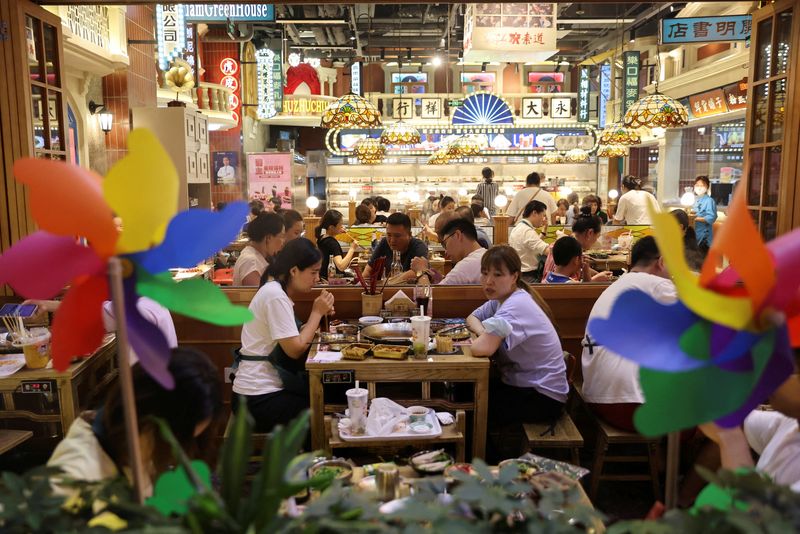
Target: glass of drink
(420, 335)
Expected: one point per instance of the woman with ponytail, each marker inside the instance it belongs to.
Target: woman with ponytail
(275, 343)
(515, 327)
(633, 207)
(586, 230)
(331, 224)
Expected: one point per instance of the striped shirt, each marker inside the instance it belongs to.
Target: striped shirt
(488, 191)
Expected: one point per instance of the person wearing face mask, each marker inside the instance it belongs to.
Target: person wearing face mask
(271, 371)
(705, 214)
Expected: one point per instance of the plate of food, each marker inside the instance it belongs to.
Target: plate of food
(431, 462)
(392, 352)
(356, 351)
(334, 469)
(526, 468)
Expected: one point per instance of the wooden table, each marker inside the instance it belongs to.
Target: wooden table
(76, 387)
(455, 368)
(614, 262)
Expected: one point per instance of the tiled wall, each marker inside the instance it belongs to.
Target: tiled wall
(134, 86)
(228, 140)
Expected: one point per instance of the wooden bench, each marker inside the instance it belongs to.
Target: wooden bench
(454, 433)
(12, 438)
(561, 435)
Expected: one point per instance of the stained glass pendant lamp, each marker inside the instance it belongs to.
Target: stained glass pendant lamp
(350, 111)
(369, 151)
(617, 133)
(552, 158)
(400, 134)
(612, 151)
(576, 155)
(439, 157)
(656, 111)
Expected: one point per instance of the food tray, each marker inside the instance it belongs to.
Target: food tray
(436, 431)
(356, 351)
(391, 352)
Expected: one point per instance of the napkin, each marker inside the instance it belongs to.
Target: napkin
(325, 356)
(384, 414)
(445, 418)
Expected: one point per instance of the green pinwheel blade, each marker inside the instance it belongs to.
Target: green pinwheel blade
(196, 298)
(676, 401)
(696, 341)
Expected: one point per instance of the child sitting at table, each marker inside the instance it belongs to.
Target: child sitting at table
(568, 257)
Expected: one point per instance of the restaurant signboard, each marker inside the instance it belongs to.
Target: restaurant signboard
(510, 31)
(269, 82)
(704, 29)
(355, 78)
(222, 12)
(583, 95)
(313, 105)
(631, 63)
(736, 95)
(708, 104)
(170, 34)
(605, 93)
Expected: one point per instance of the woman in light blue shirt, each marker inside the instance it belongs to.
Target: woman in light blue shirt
(514, 328)
(705, 210)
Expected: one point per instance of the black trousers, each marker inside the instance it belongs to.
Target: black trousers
(272, 409)
(509, 404)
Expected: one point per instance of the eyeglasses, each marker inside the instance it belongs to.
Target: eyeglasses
(444, 240)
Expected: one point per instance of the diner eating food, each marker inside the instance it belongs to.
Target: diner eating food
(460, 243)
(332, 225)
(266, 236)
(398, 238)
(568, 258)
(527, 242)
(292, 223)
(586, 230)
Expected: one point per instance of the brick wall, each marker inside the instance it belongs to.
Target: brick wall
(134, 86)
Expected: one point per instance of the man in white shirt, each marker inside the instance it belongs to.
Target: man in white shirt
(460, 242)
(610, 382)
(525, 239)
(226, 174)
(533, 191)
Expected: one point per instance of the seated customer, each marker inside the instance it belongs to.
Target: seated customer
(445, 205)
(515, 329)
(466, 213)
(96, 448)
(274, 345)
(610, 382)
(596, 205)
(527, 242)
(363, 215)
(586, 229)
(568, 256)
(266, 239)
(383, 206)
(460, 242)
(398, 238)
(293, 224)
(331, 223)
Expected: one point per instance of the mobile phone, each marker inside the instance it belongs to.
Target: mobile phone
(20, 310)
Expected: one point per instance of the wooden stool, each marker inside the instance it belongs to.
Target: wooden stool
(608, 435)
(562, 435)
(259, 439)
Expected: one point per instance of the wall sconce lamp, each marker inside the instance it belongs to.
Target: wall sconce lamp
(106, 117)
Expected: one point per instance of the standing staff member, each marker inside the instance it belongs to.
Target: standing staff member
(275, 344)
(633, 205)
(706, 213)
(488, 190)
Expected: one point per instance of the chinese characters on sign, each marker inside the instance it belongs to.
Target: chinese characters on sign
(708, 103)
(736, 95)
(266, 82)
(630, 78)
(583, 95)
(532, 108)
(269, 176)
(431, 108)
(702, 29)
(355, 78)
(518, 28)
(605, 93)
(229, 68)
(170, 33)
(560, 108)
(403, 108)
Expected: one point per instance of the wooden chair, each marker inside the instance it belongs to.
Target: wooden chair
(563, 434)
(223, 277)
(608, 436)
(259, 439)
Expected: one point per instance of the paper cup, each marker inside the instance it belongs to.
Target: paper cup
(357, 399)
(36, 348)
(420, 334)
(417, 414)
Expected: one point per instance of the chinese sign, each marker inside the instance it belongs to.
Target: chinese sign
(532, 108)
(229, 68)
(403, 108)
(431, 108)
(269, 176)
(509, 31)
(583, 95)
(355, 78)
(560, 108)
(267, 83)
(605, 93)
(630, 78)
(708, 103)
(170, 33)
(702, 29)
(222, 12)
(568, 142)
(736, 96)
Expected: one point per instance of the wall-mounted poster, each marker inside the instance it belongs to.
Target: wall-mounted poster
(226, 168)
(269, 178)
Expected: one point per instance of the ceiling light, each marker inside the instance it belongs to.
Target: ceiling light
(552, 157)
(351, 111)
(612, 194)
(436, 61)
(352, 37)
(576, 155)
(656, 110)
(400, 134)
(369, 151)
(612, 151)
(618, 134)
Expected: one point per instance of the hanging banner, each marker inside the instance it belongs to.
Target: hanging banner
(269, 74)
(605, 93)
(583, 95)
(510, 32)
(631, 62)
(355, 78)
(223, 12)
(170, 33)
(269, 176)
(704, 29)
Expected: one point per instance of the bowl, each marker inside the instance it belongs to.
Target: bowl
(369, 320)
(417, 414)
(338, 469)
(433, 464)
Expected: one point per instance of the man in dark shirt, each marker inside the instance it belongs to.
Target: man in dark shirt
(398, 237)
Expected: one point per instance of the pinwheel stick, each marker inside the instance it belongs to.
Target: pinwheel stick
(126, 379)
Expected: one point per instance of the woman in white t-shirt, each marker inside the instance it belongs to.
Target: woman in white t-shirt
(266, 233)
(270, 375)
(633, 206)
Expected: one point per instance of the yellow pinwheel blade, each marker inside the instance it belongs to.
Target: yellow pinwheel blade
(142, 188)
(733, 312)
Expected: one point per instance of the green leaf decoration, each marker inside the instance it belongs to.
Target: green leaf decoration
(173, 489)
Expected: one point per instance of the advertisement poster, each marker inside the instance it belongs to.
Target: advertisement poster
(269, 179)
(226, 168)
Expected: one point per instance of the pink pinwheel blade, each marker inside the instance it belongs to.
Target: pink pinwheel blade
(146, 339)
(40, 265)
(78, 325)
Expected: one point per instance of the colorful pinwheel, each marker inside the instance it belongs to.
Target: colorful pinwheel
(726, 345)
(142, 188)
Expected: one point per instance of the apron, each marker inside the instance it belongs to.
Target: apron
(291, 371)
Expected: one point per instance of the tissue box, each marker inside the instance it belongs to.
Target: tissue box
(400, 304)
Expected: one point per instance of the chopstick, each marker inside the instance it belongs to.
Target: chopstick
(360, 278)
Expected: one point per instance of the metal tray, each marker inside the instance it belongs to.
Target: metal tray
(388, 333)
